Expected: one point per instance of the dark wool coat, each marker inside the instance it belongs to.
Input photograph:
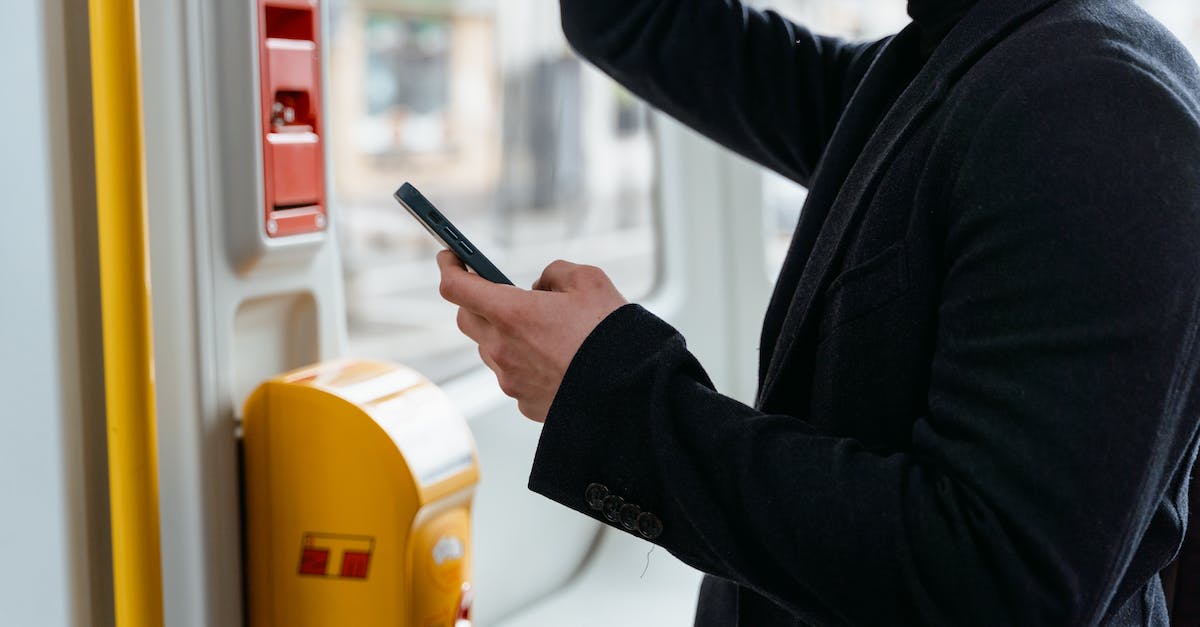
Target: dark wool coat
(978, 397)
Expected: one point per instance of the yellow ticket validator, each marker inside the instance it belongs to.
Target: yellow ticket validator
(358, 485)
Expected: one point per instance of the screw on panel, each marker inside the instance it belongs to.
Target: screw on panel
(272, 227)
(320, 221)
(282, 115)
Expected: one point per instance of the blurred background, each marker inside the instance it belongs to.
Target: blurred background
(535, 154)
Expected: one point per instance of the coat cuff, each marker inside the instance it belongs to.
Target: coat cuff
(595, 431)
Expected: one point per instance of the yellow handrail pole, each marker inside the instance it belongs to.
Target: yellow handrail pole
(125, 310)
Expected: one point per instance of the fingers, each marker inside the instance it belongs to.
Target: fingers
(533, 410)
(473, 325)
(487, 361)
(470, 290)
(554, 278)
(504, 379)
(447, 258)
(561, 276)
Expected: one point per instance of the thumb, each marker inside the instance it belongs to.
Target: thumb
(469, 291)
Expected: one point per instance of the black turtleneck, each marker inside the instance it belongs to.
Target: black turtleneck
(935, 18)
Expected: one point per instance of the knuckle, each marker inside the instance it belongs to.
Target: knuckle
(507, 386)
(520, 311)
(446, 288)
(502, 357)
(594, 276)
(584, 275)
(486, 356)
(499, 321)
(506, 315)
(494, 356)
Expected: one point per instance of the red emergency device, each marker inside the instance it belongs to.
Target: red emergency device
(289, 48)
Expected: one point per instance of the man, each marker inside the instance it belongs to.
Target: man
(979, 391)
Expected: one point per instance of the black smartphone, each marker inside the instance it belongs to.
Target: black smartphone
(446, 233)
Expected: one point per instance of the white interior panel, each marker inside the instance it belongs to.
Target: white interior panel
(54, 533)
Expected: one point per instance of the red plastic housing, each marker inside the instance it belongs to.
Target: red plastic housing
(289, 49)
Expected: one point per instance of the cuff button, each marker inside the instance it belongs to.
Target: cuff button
(628, 515)
(595, 495)
(612, 507)
(649, 526)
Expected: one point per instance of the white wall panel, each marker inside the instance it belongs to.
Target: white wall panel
(53, 528)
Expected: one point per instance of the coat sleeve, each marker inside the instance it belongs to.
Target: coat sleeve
(1063, 396)
(753, 81)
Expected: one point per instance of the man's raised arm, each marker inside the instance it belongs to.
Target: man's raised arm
(753, 81)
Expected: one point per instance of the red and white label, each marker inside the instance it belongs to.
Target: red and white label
(336, 555)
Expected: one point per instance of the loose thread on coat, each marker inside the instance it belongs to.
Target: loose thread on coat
(647, 566)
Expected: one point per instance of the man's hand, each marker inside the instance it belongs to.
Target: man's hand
(528, 338)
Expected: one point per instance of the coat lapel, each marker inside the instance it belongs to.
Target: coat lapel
(980, 30)
(855, 127)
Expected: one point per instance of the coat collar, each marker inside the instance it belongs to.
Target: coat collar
(823, 234)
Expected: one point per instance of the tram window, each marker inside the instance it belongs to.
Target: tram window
(867, 19)
(483, 106)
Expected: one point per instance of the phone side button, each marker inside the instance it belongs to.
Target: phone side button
(466, 247)
(452, 232)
